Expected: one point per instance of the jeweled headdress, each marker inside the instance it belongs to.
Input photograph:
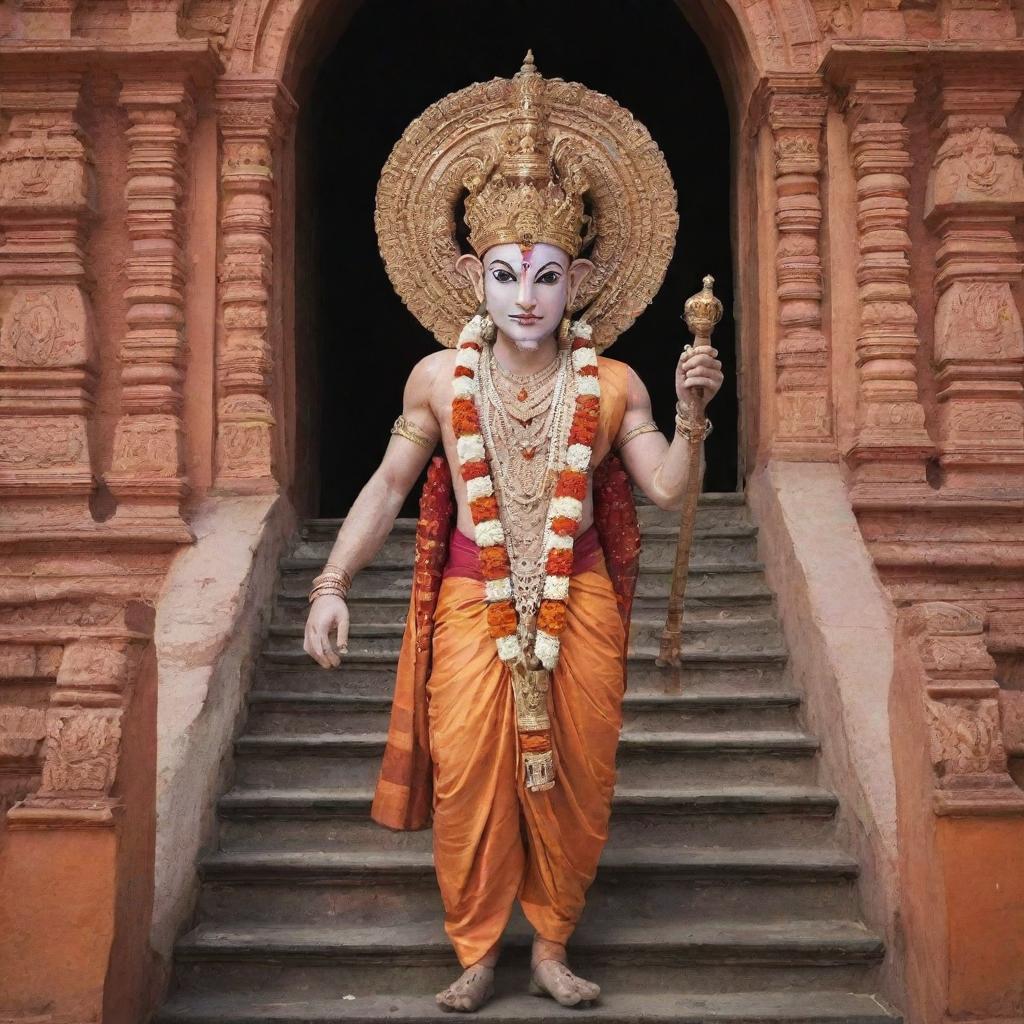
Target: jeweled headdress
(527, 160)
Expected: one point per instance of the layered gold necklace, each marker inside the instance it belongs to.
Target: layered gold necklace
(525, 423)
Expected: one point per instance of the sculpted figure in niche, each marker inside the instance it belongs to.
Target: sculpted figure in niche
(508, 699)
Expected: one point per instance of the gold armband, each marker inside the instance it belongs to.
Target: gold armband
(412, 433)
(643, 428)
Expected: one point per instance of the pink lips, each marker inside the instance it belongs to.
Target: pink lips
(526, 319)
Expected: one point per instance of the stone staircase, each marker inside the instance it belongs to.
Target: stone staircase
(722, 895)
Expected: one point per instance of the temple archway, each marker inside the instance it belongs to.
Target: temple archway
(358, 339)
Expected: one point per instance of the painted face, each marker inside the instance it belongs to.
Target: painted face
(526, 291)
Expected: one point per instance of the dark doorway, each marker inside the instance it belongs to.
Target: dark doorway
(393, 60)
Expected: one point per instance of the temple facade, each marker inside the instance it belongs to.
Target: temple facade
(153, 462)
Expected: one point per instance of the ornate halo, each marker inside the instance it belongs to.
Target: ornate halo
(420, 192)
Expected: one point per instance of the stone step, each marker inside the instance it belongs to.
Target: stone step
(701, 647)
(714, 814)
(713, 511)
(643, 758)
(293, 609)
(294, 712)
(512, 1006)
(375, 675)
(717, 543)
(740, 636)
(738, 585)
(636, 884)
(333, 961)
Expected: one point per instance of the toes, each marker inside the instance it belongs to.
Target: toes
(587, 989)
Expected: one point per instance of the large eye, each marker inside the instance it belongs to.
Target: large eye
(550, 277)
(502, 276)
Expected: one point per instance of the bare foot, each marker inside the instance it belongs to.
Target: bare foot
(470, 991)
(553, 978)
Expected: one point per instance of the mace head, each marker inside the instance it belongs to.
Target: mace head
(703, 310)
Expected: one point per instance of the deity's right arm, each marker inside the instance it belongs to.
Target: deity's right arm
(373, 513)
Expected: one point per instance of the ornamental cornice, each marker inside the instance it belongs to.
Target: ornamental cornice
(39, 61)
(997, 60)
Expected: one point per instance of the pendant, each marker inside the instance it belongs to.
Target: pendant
(528, 453)
(523, 395)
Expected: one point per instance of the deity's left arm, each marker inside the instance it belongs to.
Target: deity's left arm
(658, 468)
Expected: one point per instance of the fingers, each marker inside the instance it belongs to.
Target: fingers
(317, 645)
(342, 637)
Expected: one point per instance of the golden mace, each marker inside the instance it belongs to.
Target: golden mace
(702, 312)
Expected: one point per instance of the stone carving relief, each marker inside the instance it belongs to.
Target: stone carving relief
(965, 738)
(42, 163)
(978, 320)
(976, 166)
(46, 327)
(81, 751)
(42, 442)
(146, 445)
(959, 699)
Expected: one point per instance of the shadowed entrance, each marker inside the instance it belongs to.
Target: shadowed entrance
(360, 339)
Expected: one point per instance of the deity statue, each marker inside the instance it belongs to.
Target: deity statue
(508, 698)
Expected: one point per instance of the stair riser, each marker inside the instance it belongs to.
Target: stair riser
(347, 833)
(648, 769)
(396, 582)
(643, 636)
(638, 898)
(643, 678)
(291, 612)
(264, 720)
(655, 550)
(277, 981)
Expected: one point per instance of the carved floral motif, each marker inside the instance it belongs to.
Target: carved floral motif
(81, 750)
(45, 327)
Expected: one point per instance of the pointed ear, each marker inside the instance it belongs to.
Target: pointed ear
(579, 271)
(471, 267)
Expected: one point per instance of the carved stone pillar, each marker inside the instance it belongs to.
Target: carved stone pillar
(146, 475)
(46, 338)
(962, 712)
(975, 193)
(804, 431)
(892, 445)
(253, 115)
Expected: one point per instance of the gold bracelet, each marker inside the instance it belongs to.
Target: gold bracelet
(687, 429)
(412, 433)
(332, 581)
(644, 428)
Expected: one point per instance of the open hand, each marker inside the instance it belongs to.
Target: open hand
(327, 614)
(698, 367)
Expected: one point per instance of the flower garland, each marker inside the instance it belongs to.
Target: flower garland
(565, 509)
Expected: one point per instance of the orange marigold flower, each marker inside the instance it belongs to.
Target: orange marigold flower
(564, 525)
(535, 742)
(494, 562)
(483, 509)
(583, 435)
(587, 371)
(465, 421)
(571, 484)
(501, 619)
(470, 344)
(474, 468)
(559, 562)
(582, 342)
(464, 371)
(551, 617)
(587, 402)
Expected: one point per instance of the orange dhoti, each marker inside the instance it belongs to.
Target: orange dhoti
(494, 840)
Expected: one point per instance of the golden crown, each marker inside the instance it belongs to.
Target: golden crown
(527, 194)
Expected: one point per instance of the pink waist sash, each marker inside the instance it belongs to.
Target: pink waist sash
(464, 555)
